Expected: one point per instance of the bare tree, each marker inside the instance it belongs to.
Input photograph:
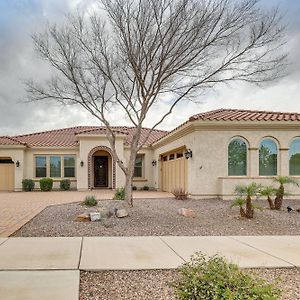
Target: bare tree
(134, 53)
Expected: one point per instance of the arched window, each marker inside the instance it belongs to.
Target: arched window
(237, 158)
(267, 158)
(294, 154)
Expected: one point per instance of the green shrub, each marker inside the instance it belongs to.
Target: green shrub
(46, 184)
(119, 194)
(65, 184)
(28, 185)
(90, 201)
(146, 188)
(213, 278)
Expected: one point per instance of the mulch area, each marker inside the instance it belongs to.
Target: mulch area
(160, 217)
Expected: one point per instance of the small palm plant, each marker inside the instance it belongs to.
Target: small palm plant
(268, 191)
(239, 202)
(282, 180)
(247, 192)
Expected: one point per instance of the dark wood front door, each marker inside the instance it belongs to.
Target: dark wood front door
(101, 171)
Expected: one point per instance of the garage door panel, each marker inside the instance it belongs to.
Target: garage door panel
(7, 177)
(174, 174)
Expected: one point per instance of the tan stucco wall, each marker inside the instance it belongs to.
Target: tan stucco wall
(148, 170)
(209, 161)
(29, 163)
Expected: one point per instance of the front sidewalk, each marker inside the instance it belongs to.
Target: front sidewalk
(32, 264)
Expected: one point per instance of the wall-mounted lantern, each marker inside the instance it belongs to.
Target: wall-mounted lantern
(81, 163)
(154, 162)
(188, 153)
(17, 164)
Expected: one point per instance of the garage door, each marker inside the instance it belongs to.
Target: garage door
(174, 171)
(7, 175)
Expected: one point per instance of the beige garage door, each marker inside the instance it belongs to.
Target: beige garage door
(7, 176)
(174, 171)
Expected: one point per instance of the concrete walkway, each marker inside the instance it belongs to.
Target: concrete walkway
(48, 268)
(17, 208)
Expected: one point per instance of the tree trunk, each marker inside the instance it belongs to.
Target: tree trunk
(249, 208)
(128, 190)
(271, 204)
(242, 212)
(279, 197)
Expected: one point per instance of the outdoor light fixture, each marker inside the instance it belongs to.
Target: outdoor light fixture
(81, 163)
(17, 164)
(154, 162)
(188, 153)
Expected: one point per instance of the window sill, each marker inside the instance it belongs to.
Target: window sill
(137, 179)
(56, 179)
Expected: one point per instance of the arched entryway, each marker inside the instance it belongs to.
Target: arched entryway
(101, 168)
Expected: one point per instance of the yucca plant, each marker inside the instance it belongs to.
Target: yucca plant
(282, 180)
(247, 192)
(268, 191)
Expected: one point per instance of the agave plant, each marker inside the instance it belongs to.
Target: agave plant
(268, 191)
(248, 191)
(282, 180)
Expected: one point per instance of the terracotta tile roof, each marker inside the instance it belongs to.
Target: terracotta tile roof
(67, 137)
(7, 140)
(245, 115)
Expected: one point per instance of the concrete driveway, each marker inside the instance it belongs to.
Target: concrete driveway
(17, 208)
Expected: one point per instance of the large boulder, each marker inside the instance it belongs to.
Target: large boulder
(121, 213)
(82, 218)
(188, 213)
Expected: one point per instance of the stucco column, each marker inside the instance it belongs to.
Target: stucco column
(253, 162)
(283, 162)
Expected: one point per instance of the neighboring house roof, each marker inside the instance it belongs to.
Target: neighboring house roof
(245, 115)
(67, 137)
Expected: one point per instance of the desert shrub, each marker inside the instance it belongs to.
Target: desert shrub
(146, 188)
(46, 184)
(119, 194)
(134, 188)
(180, 194)
(28, 185)
(65, 184)
(213, 278)
(90, 201)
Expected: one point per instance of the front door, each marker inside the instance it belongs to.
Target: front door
(101, 171)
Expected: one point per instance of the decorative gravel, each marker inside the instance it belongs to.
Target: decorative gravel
(155, 284)
(160, 217)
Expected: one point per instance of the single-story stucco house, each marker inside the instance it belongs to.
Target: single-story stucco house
(208, 155)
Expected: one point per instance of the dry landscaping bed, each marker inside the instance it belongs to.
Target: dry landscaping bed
(160, 217)
(155, 284)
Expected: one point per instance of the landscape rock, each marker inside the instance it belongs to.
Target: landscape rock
(121, 213)
(298, 209)
(95, 216)
(82, 218)
(188, 213)
(105, 212)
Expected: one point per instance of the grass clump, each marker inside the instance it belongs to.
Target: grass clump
(90, 201)
(213, 278)
(119, 194)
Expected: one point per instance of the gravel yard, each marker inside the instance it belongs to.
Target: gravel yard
(160, 217)
(155, 284)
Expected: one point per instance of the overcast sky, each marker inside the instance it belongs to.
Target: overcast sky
(20, 18)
